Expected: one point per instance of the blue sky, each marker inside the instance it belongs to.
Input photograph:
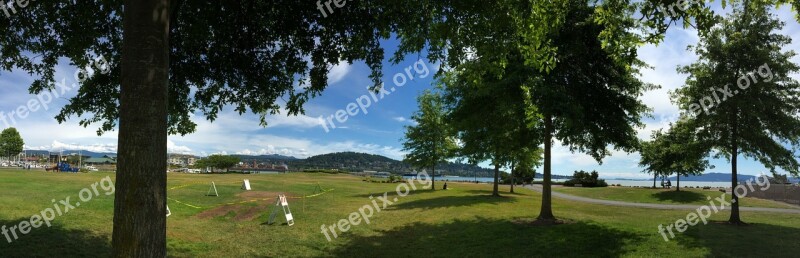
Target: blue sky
(380, 131)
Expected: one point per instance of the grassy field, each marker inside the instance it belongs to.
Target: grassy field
(665, 196)
(462, 222)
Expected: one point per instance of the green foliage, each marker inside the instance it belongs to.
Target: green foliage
(586, 179)
(676, 151)
(759, 120)
(218, 161)
(430, 141)
(11, 142)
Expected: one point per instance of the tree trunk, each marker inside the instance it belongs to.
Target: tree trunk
(547, 206)
(433, 177)
(512, 178)
(734, 219)
(140, 200)
(679, 183)
(496, 180)
(655, 175)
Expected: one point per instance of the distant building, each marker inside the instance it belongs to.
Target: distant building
(181, 160)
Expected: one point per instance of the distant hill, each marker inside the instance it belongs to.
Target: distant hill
(68, 152)
(271, 157)
(719, 177)
(357, 162)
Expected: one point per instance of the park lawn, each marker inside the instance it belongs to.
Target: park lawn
(689, 196)
(462, 221)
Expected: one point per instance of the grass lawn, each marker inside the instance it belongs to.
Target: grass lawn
(690, 196)
(463, 221)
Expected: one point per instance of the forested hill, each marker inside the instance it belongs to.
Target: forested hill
(357, 162)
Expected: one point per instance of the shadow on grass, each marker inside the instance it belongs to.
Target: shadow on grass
(502, 191)
(753, 240)
(452, 201)
(53, 241)
(394, 193)
(681, 197)
(490, 238)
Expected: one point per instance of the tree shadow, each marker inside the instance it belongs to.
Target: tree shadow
(484, 237)
(394, 193)
(753, 240)
(53, 241)
(503, 191)
(681, 197)
(452, 201)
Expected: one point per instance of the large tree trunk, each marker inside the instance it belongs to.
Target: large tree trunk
(679, 183)
(140, 200)
(546, 214)
(496, 180)
(734, 219)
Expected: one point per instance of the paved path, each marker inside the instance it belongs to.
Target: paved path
(538, 188)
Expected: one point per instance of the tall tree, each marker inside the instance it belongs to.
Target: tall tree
(430, 141)
(579, 57)
(171, 59)
(589, 100)
(740, 94)
(678, 151)
(488, 112)
(11, 142)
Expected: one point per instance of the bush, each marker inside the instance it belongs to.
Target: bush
(586, 179)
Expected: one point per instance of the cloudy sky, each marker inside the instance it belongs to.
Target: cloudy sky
(379, 131)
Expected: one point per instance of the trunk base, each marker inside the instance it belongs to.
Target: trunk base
(737, 223)
(547, 221)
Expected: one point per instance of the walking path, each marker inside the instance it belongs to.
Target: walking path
(538, 188)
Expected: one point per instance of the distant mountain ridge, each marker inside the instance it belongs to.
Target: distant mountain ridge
(719, 177)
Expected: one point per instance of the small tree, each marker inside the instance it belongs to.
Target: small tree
(219, 162)
(430, 141)
(11, 142)
(677, 151)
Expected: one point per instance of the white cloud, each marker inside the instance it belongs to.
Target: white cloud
(60, 146)
(400, 119)
(338, 72)
(174, 148)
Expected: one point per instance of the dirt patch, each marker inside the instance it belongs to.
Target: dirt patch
(251, 213)
(243, 211)
(217, 212)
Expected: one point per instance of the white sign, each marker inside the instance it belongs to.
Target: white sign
(286, 211)
(246, 185)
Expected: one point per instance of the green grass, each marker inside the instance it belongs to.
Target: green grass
(463, 221)
(664, 196)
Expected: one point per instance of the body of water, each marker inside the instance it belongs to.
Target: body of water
(472, 179)
(649, 183)
(641, 183)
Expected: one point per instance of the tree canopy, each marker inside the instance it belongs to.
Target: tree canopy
(677, 151)
(430, 141)
(11, 142)
(739, 94)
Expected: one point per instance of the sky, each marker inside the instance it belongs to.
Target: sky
(379, 130)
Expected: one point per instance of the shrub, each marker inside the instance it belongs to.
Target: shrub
(586, 179)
